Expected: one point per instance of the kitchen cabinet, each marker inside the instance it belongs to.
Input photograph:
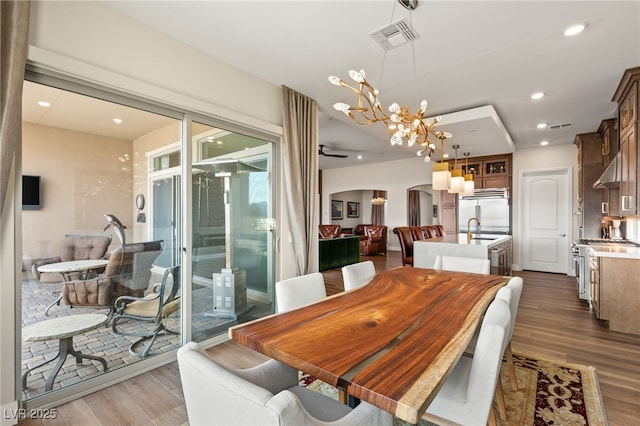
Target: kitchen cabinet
(627, 98)
(501, 258)
(490, 171)
(590, 168)
(608, 131)
(615, 294)
(449, 212)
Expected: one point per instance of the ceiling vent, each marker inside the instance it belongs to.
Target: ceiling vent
(395, 34)
(560, 126)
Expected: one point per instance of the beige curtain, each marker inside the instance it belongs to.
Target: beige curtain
(377, 211)
(414, 208)
(300, 149)
(14, 32)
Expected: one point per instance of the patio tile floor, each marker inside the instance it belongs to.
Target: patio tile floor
(103, 341)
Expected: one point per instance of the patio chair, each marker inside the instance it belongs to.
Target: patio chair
(127, 273)
(153, 308)
(72, 247)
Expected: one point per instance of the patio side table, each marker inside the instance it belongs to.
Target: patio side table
(63, 329)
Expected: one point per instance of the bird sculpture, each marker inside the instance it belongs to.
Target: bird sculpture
(117, 226)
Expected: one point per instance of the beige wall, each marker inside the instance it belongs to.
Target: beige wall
(167, 135)
(82, 179)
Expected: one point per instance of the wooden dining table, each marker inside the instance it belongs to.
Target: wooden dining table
(391, 343)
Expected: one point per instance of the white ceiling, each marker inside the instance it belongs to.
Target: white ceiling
(469, 54)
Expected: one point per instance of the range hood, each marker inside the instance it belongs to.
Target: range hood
(610, 177)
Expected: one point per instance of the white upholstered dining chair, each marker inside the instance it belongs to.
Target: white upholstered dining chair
(296, 292)
(357, 275)
(462, 264)
(510, 294)
(267, 394)
(466, 397)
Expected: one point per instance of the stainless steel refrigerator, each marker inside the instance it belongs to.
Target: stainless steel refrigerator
(490, 208)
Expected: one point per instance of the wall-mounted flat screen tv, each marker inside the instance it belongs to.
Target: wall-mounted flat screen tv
(31, 192)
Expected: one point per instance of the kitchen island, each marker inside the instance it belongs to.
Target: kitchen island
(495, 247)
(615, 292)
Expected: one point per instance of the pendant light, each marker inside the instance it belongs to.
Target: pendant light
(469, 184)
(456, 184)
(441, 174)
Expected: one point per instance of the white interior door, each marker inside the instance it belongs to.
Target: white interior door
(545, 215)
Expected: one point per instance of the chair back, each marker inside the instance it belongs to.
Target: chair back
(487, 358)
(299, 291)
(438, 231)
(215, 395)
(357, 274)
(511, 294)
(329, 231)
(463, 264)
(130, 264)
(416, 233)
(84, 246)
(406, 244)
(428, 231)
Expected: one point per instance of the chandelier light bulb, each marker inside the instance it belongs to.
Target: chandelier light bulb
(335, 80)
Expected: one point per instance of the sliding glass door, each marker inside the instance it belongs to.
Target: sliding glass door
(233, 232)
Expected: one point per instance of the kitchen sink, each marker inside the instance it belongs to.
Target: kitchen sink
(483, 238)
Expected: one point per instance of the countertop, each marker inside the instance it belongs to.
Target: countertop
(486, 240)
(616, 250)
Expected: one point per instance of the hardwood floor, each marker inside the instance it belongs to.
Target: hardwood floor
(551, 321)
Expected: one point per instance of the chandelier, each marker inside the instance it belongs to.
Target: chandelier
(378, 201)
(403, 125)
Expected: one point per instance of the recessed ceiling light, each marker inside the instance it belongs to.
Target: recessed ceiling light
(44, 104)
(575, 29)
(537, 95)
(544, 143)
(445, 155)
(541, 125)
(117, 120)
(219, 142)
(359, 157)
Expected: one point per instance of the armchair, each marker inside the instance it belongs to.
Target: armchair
(376, 242)
(267, 394)
(329, 231)
(128, 272)
(153, 308)
(73, 247)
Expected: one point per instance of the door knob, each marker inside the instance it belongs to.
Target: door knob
(563, 235)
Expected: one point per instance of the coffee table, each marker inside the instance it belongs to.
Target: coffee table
(84, 267)
(63, 329)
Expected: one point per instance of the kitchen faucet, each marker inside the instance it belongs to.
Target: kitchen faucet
(469, 227)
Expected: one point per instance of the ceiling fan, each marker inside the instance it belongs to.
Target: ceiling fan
(321, 152)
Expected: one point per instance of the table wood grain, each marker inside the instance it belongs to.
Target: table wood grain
(390, 343)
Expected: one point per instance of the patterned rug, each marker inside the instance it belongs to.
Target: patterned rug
(549, 393)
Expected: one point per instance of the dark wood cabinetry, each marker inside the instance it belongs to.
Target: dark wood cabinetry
(590, 167)
(490, 171)
(608, 131)
(627, 97)
(449, 212)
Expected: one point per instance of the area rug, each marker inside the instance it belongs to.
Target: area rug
(549, 393)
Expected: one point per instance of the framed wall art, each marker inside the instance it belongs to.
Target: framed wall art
(336, 209)
(353, 209)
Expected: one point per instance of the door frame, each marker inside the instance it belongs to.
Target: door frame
(567, 172)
